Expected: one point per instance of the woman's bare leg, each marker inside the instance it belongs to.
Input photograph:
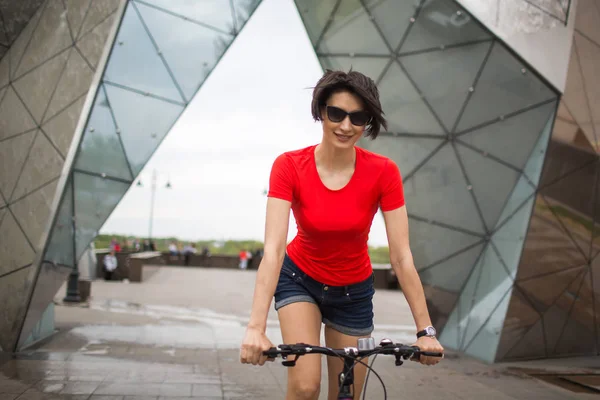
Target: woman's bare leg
(338, 340)
(301, 323)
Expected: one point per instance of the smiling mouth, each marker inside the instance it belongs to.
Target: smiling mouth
(343, 136)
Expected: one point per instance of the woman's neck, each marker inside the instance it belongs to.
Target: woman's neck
(335, 159)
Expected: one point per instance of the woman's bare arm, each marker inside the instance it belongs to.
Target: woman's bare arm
(276, 230)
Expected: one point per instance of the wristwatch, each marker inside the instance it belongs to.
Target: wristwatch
(428, 331)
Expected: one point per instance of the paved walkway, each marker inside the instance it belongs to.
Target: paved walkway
(176, 336)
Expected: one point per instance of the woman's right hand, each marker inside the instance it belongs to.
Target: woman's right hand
(255, 342)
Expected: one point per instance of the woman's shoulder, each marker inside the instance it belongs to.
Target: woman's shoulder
(374, 160)
(298, 156)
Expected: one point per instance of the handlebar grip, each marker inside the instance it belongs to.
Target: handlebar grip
(273, 352)
(431, 354)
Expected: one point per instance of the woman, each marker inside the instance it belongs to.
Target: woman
(324, 275)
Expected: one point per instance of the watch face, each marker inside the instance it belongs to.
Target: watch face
(430, 331)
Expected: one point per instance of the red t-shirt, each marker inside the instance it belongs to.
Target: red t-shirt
(333, 225)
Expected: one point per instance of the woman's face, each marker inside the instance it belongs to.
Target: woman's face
(343, 134)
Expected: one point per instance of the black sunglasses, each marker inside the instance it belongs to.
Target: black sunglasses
(358, 118)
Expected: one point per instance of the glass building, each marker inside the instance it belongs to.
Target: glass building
(496, 138)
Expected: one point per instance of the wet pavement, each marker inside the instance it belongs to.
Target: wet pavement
(176, 336)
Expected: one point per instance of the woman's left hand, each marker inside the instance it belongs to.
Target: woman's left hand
(432, 345)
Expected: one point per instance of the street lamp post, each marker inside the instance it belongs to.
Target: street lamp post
(152, 196)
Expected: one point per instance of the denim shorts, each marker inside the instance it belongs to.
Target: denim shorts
(347, 309)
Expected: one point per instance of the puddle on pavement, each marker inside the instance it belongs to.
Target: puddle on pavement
(180, 327)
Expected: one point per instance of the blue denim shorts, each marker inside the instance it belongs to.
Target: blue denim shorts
(347, 309)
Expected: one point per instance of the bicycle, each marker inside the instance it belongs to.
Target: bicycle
(351, 356)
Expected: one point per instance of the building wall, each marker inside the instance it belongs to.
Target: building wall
(44, 79)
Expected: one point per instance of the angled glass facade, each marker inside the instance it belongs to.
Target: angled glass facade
(158, 57)
(469, 125)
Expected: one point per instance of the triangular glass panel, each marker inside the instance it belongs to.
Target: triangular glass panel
(575, 94)
(491, 194)
(439, 191)
(587, 17)
(61, 242)
(45, 42)
(101, 150)
(544, 291)
(595, 240)
(74, 83)
(572, 203)
(15, 249)
(392, 17)
(522, 192)
(404, 107)
(95, 199)
(98, 11)
(244, 9)
(315, 14)
(370, 66)
(13, 153)
(76, 11)
(61, 128)
(449, 335)
(33, 212)
(465, 302)
(595, 271)
(14, 118)
(452, 273)
(494, 284)
(520, 317)
(531, 345)
(135, 62)
(567, 130)
(548, 247)
(37, 87)
(589, 53)
(577, 335)
(43, 164)
(50, 279)
(442, 23)
(505, 86)
(406, 152)
(352, 31)
(14, 289)
(509, 237)
(143, 121)
(20, 44)
(484, 346)
(213, 13)
(533, 167)
(431, 243)
(430, 72)
(190, 60)
(512, 139)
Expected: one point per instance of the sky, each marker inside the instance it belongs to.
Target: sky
(254, 106)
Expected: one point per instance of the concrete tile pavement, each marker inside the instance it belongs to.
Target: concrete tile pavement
(175, 336)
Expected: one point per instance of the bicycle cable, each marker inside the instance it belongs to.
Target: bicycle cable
(367, 378)
(359, 361)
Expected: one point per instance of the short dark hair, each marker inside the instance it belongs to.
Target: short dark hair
(354, 82)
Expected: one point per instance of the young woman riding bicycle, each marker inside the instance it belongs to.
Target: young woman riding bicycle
(324, 276)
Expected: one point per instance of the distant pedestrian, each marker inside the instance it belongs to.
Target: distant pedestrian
(110, 265)
(243, 259)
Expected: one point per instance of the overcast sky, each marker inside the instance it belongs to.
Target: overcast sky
(254, 106)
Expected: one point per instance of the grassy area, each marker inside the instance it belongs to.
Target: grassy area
(379, 255)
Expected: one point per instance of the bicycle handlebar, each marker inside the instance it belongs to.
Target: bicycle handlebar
(300, 349)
